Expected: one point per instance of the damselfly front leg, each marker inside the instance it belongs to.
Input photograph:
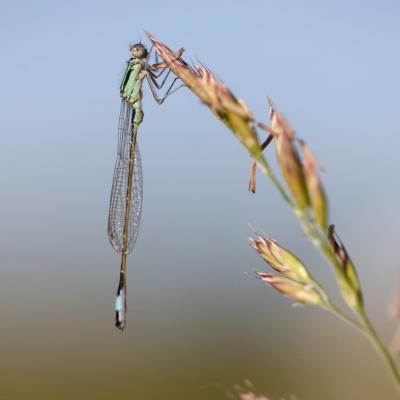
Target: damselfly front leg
(155, 85)
(154, 77)
(154, 88)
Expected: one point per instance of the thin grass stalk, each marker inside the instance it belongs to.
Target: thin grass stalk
(380, 348)
(266, 169)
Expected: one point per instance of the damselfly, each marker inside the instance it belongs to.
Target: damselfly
(127, 187)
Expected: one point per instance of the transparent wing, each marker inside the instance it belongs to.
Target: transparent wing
(116, 217)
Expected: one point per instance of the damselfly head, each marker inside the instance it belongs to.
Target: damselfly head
(138, 50)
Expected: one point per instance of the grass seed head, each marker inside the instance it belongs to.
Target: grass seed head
(316, 192)
(288, 158)
(297, 291)
(281, 259)
(216, 95)
(347, 277)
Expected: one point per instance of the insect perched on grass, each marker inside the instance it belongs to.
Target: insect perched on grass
(127, 187)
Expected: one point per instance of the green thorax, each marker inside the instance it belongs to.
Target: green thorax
(132, 82)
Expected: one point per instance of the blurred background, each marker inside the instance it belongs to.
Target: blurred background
(198, 320)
